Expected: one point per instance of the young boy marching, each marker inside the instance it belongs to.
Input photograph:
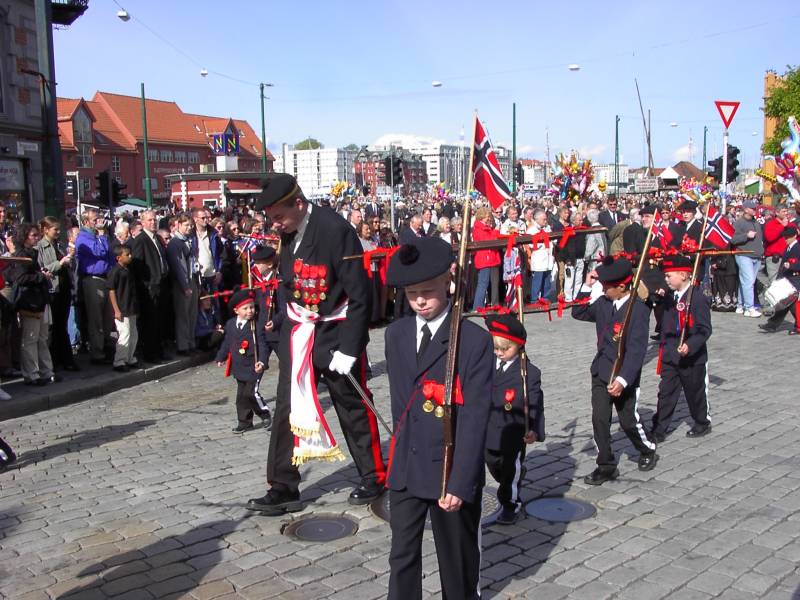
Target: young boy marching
(506, 435)
(416, 360)
(244, 348)
(269, 300)
(607, 312)
(683, 366)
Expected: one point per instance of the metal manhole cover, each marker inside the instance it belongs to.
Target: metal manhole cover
(321, 528)
(489, 510)
(558, 509)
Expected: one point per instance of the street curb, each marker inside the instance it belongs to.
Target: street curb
(27, 401)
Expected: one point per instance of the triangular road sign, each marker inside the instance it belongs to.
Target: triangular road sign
(727, 110)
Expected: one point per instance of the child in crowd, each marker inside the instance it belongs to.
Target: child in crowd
(125, 305)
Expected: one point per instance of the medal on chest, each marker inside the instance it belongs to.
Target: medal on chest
(243, 347)
(310, 284)
(508, 400)
(617, 331)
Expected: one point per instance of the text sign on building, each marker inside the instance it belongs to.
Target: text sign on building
(646, 185)
(226, 144)
(12, 175)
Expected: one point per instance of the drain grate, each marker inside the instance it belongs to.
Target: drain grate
(558, 509)
(321, 528)
(490, 508)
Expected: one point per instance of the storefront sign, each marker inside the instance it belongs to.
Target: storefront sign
(12, 175)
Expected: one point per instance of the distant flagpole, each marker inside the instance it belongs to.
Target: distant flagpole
(471, 172)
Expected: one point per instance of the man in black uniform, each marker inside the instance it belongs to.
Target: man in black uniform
(607, 312)
(416, 357)
(685, 365)
(790, 269)
(328, 308)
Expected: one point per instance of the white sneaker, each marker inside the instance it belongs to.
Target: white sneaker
(739, 310)
(752, 312)
(4, 395)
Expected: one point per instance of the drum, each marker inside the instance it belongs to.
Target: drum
(781, 294)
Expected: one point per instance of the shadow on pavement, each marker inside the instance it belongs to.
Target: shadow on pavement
(82, 440)
(175, 564)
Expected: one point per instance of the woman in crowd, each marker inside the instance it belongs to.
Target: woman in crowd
(364, 232)
(443, 230)
(595, 242)
(486, 262)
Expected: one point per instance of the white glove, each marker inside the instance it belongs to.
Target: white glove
(341, 363)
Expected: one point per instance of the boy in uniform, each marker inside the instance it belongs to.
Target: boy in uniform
(244, 348)
(416, 358)
(125, 306)
(607, 311)
(269, 300)
(683, 366)
(506, 435)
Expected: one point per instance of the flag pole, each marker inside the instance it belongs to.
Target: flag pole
(523, 359)
(695, 268)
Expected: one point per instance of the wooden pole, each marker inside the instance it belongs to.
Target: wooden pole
(695, 268)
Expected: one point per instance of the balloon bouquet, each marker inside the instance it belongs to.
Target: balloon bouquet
(787, 164)
(572, 180)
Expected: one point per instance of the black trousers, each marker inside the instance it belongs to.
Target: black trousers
(6, 453)
(629, 422)
(358, 424)
(60, 347)
(246, 403)
(777, 318)
(152, 322)
(694, 383)
(506, 467)
(457, 539)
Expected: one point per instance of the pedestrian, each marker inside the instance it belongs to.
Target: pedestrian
(747, 236)
(790, 269)
(774, 242)
(125, 306)
(416, 360)
(244, 349)
(94, 261)
(541, 257)
(486, 262)
(270, 306)
(507, 433)
(184, 271)
(683, 363)
(607, 310)
(328, 304)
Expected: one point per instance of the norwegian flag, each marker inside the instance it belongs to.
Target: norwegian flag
(661, 229)
(719, 230)
(488, 178)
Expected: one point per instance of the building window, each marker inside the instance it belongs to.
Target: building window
(152, 155)
(82, 131)
(166, 156)
(194, 158)
(115, 164)
(180, 156)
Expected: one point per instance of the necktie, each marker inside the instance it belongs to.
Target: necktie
(501, 367)
(426, 340)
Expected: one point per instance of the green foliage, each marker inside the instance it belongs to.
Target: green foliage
(784, 101)
(308, 144)
(353, 147)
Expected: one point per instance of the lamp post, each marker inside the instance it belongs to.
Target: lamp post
(616, 157)
(261, 87)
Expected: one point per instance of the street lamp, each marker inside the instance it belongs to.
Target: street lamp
(123, 15)
(436, 84)
(203, 72)
(261, 87)
(574, 67)
(673, 124)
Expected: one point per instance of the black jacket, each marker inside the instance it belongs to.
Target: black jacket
(506, 428)
(601, 313)
(179, 260)
(327, 239)
(276, 315)
(606, 219)
(697, 334)
(146, 264)
(242, 365)
(792, 272)
(31, 290)
(415, 458)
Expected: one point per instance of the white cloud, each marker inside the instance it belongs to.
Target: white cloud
(592, 151)
(406, 140)
(681, 153)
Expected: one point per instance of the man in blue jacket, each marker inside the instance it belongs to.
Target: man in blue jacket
(94, 262)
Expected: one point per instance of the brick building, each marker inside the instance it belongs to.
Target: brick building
(106, 133)
(369, 170)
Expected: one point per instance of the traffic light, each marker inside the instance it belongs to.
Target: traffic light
(397, 171)
(103, 184)
(117, 192)
(71, 186)
(387, 170)
(716, 169)
(733, 162)
(519, 174)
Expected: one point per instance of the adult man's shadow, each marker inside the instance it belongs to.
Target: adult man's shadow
(82, 440)
(530, 541)
(177, 563)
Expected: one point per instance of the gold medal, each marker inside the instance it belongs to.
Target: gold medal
(439, 412)
(507, 406)
(315, 308)
(297, 294)
(427, 406)
(322, 283)
(241, 350)
(322, 296)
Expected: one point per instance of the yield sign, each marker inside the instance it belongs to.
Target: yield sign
(727, 110)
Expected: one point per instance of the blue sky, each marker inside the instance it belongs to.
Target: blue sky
(350, 72)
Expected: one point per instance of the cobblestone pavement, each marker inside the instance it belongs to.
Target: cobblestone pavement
(140, 494)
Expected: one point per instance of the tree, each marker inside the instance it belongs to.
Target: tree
(308, 144)
(353, 147)
(783, 102)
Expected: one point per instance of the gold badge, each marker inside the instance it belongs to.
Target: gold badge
(322, 296)
(427, 406)
(439, 412)
(507, 406)
(297, 294)
(241, 350)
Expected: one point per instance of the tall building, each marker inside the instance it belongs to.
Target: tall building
(318, 170)
(536, 174)
(444, 163)
(106, 133)
(370, 171)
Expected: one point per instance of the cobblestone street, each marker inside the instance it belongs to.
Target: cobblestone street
(141, 493)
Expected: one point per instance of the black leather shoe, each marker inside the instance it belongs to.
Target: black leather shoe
(266, 421)
(242, 427)
(647, 462)
(366, 493)
(508, 515)
(600, 476)
(698, 431)
(767, 328)
(794, 332)
(274, 504)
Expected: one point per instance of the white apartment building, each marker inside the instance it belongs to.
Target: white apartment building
(317, 170)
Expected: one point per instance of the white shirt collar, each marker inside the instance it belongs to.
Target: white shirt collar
(301, 228)
(619, 303)
(433, 324)
(507, 364)
(240, 322)
(680, 293)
